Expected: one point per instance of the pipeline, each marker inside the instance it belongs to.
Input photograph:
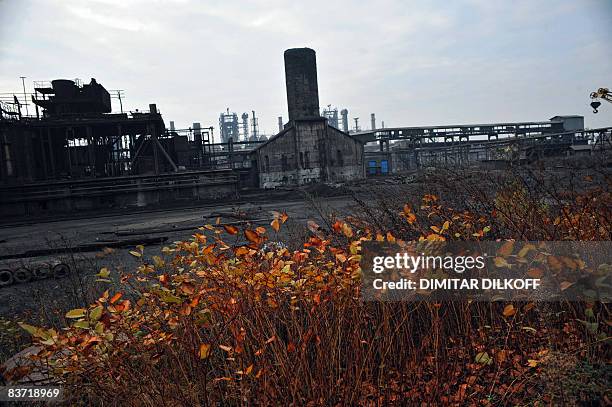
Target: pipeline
(22, 274)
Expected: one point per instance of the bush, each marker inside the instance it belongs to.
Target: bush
(208, 322)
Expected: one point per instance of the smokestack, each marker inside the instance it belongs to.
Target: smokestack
(301, 81)
(373, 119)
(280, 123)
(171, 125)
(344, 114)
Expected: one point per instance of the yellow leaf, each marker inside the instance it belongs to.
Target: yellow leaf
(248, 370)
(526, 249)
(159, 263)
(204, 350)
(275, 225)
(135, 254)
(225, 348)
(34, 331)
(104, 273)
(483, 358)
(96, 313)
(533, 362)
(81, 324)
(446, 225)
(346, 229)
(76, 313)
(500, 262)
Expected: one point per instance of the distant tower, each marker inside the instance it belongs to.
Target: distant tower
(373, 119)
(301, 81)
(331, 115)
(245, 126)
(171, 125)
(345, 125)
(280, 123)
(356, 124)
(229, 126)
(255, 126)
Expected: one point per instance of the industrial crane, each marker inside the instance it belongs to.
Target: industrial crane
(602, 93)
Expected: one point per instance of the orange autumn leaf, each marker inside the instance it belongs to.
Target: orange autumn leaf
(232, 230)
(275, 225)
(509, 310)
(506, 249)
(115, 298)
(204, 351)
(242, 250)
(535, 272)
(252, 236)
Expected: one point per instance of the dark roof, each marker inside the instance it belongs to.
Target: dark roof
(292, 125)
(569, 116)
(274, 137)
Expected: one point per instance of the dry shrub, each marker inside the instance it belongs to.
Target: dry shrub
(212, 323)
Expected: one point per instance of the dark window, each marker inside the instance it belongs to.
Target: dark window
(339, 158)
(302, 159)
(267, 164)
(284, 164)
(307, 160)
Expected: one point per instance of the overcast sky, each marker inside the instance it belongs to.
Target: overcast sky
(410, 62)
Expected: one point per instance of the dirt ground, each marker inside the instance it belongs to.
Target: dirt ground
(36, 299)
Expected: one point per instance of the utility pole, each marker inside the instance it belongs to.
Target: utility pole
(25, 97)
(120, 102)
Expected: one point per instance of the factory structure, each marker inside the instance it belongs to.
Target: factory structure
(63, 149)
(308, 149)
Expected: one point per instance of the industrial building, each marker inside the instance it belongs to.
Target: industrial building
(78, 155)
(72, 152)
(308, 149)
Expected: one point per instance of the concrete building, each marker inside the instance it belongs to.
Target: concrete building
(570, 122)
(308, 149)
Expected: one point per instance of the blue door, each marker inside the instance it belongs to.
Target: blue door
(372, 167)
(384, 167)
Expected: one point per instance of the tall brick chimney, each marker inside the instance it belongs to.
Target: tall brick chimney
(301, 81)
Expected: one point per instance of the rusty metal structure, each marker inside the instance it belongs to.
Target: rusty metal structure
(75, 153)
